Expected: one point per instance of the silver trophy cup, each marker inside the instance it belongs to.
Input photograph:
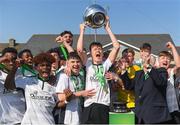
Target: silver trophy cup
(95, 16)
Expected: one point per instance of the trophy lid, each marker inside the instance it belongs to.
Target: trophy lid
(93, 9)
(94, 15)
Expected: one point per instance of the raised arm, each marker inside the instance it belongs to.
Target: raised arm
(80, 44)
(116, 45)
(174, 53)
(2, 59)
(60, 40)
(10, 79)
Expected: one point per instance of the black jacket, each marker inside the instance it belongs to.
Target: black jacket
(150, 95)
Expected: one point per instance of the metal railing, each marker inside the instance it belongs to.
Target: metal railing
(124, 44)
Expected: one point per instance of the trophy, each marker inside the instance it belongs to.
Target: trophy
(120, 107)
(95, 16)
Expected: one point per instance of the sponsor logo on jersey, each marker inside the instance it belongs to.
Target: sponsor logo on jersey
(35, 95)
(94, 78)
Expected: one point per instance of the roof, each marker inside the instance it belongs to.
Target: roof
(178, 49)
(40, 43)
(18, 46)
(157, 41)
(43, 42)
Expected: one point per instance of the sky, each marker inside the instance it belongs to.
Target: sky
(20, 19)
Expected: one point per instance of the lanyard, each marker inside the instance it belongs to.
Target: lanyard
(99, 74)
(4, 68)
(63, 51)
(78, 81)
(25, 67)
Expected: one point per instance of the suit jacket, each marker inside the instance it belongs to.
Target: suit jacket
(150, 95)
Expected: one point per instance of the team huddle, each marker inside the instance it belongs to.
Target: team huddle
(64, 86)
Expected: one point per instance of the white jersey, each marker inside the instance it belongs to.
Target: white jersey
(102, 96)
(3, 76)
(39, 100)
(73, 106)
(12, 104)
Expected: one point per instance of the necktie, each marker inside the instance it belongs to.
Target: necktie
(146, 76)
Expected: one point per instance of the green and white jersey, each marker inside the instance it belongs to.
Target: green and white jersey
(95, 79)
(3, 76)
(73, 108)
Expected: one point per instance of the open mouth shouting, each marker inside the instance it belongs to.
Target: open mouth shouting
(30, 62)
(165, 64)
(45, 74)
(98, 55)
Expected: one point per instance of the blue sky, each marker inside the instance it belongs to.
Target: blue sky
(20, 19)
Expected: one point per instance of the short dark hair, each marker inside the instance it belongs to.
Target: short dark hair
(74, 55)
(145, 46)
(9, 50)
(66, 32)
(54, 50)
(128, 50)
(95, 44)
(47, 57)
(165, 53)
(23, 51)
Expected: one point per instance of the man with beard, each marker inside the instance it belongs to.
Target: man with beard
(96, 109)
(65, 39)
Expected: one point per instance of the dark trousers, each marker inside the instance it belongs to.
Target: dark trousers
(96, 114)
(141, 121)
(59, 115)
(176, 117)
